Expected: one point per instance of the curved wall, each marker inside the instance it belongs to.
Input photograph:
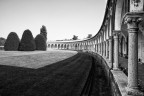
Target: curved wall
(120, 37)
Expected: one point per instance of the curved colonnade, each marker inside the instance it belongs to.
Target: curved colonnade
(121, 34)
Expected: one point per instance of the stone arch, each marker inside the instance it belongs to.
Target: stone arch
(141, 46)
(118, 14)
(78, 48)
(58, 46)
(55, 46)
(75, 45)
(48, 45)
(121, 9)
(123, 46)
(68, 46)
(62, 46)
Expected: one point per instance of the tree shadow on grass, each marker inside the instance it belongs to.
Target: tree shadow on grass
(14, 81)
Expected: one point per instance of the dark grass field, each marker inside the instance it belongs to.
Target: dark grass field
(64, 78)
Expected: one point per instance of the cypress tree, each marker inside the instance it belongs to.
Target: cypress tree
(12, 42)
(27, 41)
(40, 42)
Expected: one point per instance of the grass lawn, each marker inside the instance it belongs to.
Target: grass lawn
(43, 73)
(33, 59)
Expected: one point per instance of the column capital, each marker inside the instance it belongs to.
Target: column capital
(132, 19)
(116, 33)
(107, 40)
(110, 37)
(110, 11)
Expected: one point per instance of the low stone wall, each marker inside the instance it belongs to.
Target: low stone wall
(117, 80)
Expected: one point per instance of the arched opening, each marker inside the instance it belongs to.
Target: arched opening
(62, 46)
(55, 45)
(48, 45)
(52, 46)
(58, 46)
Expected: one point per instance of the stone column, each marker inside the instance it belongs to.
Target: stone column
(98, 48)
(107, 47)
(91, 47)
(116, 50)
(132, 20)
(102, 48)
(110, 49)
(110, 52)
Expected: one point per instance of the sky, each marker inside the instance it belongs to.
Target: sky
(62, 18)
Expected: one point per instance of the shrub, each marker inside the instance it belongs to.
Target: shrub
(40, 42)
(27, 41)
(12, 42)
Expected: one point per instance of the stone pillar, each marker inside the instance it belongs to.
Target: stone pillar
(127, 48)
(95, 47)
(132, 20)
(102, 48)
(110, 50)
(98, 48)
(107, 47)
(91, 48)
(116, 50)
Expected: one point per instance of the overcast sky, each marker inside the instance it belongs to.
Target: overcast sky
(62, 18)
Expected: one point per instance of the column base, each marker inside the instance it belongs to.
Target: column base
(134, 92)
(116, 69)
(110, 61)
(110, 66)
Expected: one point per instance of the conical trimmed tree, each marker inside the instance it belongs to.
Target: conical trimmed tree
(27, 41)
(40, 42)
(12, 42)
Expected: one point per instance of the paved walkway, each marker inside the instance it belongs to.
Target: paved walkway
(124, 64)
